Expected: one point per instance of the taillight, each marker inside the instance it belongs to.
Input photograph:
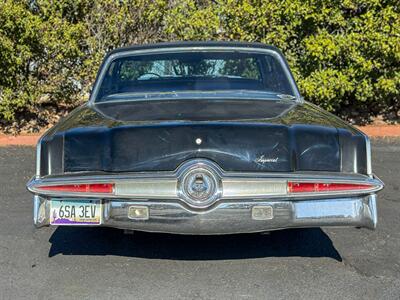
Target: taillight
(93, 188)
(320, 187)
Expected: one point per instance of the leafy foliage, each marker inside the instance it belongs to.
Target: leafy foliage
(345, 54)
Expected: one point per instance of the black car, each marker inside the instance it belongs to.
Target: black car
(202, 138)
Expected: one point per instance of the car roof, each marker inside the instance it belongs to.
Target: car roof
(232, 44)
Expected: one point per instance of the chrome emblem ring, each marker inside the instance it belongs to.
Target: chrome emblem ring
(199, 186)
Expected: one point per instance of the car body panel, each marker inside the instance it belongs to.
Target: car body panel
(241, 135)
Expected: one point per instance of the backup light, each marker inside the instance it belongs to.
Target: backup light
(262, 212)
(138, 213)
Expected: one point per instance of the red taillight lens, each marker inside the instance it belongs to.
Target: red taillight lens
(94, 188)
(315, 187)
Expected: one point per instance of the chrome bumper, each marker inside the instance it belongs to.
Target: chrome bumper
(232, 217)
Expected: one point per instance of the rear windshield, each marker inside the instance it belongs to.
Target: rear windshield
(141, 76)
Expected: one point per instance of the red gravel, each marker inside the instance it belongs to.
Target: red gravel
(381, 130)
(19, 140)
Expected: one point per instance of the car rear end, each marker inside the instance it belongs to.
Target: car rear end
(206, 163)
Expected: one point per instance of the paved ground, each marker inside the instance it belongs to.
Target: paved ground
(104, 263)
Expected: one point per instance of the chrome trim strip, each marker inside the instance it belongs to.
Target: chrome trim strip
(368, 152)
(38, 154)
(252, 188)
(234, 185)
(146, 188)
(192, 49)
(239, 188)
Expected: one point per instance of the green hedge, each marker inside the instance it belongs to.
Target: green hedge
(345, 55)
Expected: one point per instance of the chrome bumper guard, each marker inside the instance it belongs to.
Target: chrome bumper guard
(231, 217)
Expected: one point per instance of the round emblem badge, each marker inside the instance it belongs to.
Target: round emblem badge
(199, 187)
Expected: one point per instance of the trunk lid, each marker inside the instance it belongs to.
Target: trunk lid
(238, 135)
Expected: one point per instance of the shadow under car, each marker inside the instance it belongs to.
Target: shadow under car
(310, 242)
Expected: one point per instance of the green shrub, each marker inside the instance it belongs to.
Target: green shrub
(345, 54)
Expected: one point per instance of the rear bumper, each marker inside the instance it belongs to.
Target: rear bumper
(232, 217)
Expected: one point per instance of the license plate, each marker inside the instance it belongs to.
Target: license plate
(75, 212)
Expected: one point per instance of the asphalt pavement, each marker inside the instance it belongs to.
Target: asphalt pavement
(103, 263)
